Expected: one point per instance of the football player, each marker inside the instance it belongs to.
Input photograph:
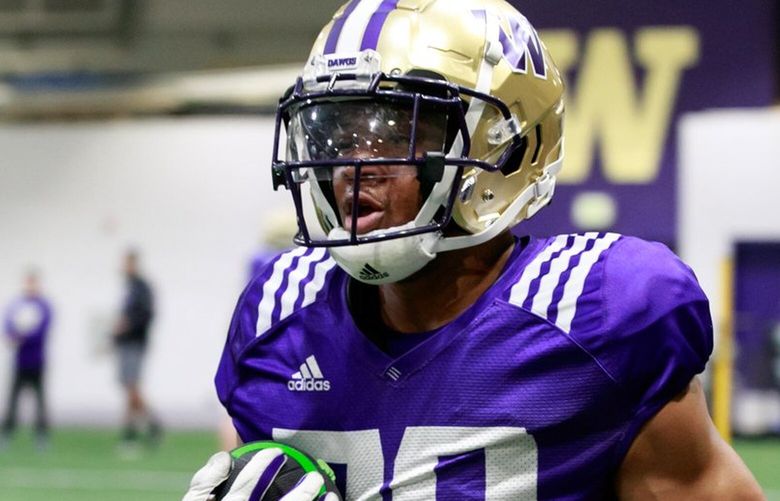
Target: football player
(411, 340)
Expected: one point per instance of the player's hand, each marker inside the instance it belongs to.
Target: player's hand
(261, 469)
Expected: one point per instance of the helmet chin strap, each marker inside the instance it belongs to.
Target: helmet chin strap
(535, 196)
(385, 261)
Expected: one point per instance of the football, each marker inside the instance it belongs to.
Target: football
(298, 464)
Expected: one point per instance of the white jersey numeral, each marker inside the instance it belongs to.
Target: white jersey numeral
(360, 450)
(511, 459)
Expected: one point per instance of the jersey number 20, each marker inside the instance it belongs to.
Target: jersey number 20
(510, 459)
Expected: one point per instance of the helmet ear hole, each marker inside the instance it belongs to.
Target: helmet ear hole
(538, 149)
(515, 159)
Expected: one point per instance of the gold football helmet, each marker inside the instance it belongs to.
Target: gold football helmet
(462, 92)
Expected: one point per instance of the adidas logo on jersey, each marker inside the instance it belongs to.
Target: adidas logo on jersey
(370, 273)
(309, 378)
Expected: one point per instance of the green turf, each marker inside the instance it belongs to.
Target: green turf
(86, 465)
(763, 459)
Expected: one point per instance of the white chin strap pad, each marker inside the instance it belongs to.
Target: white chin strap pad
(387, 261)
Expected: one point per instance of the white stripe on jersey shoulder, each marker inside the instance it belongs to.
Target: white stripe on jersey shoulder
(296, 265)
(567, 306)
(558, 255)
(544, 297)
(521, 289)
(355, 26)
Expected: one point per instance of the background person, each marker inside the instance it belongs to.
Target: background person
(131, 335)
(27, 322)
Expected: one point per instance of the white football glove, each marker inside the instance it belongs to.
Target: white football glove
(218, 467)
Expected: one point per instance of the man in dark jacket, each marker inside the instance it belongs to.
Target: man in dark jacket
(131, 336)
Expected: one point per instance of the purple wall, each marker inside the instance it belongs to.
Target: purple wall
(736, 68)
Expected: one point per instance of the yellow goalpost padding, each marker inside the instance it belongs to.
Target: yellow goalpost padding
(723, 361)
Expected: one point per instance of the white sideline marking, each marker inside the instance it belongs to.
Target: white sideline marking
(95, 480)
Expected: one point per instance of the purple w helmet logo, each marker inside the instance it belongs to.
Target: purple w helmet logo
(520, 44)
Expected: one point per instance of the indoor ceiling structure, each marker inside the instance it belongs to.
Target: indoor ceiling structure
(98, 57)
(94, 58)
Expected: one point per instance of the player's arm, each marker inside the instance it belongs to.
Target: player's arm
(678, 454)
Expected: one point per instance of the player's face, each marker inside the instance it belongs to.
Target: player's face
(387, 195)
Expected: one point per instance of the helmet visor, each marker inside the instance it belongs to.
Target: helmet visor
(364, 130)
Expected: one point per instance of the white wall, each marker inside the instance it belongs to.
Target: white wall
(729, 188)
(190, 193)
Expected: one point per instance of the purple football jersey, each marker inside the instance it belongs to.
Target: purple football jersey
(27, 321)
(534, 392)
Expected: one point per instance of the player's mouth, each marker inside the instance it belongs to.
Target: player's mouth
(370, 213)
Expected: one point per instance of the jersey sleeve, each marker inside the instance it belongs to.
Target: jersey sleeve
(242, 331)
(655, 329)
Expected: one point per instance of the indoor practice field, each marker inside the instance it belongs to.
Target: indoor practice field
(466, 250)
(84, 465)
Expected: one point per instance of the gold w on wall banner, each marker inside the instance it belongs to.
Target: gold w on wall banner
(629, 120)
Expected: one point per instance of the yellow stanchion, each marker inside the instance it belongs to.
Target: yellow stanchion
(723, 361)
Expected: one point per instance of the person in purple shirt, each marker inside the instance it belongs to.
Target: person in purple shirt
(414, 342)
(27, 322)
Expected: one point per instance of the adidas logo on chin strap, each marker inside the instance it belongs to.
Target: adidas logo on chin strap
(309, 378)
(370, 273)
